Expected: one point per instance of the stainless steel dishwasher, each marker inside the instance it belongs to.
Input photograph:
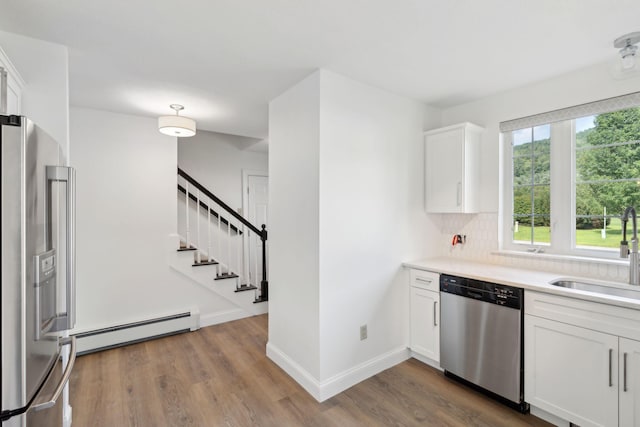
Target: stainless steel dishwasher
(481, 326)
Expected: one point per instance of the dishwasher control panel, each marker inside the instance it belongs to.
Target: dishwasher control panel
(505, 295)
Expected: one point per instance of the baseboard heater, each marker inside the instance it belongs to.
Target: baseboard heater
(135, 332)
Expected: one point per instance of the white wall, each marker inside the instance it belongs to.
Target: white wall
(216, 160)
(126, 209)
(294, 135)
(371, 218)
(44, 67)
(353, 171)
(586, 85)
(432, 117)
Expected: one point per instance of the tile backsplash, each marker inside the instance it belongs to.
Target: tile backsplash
(481, 231)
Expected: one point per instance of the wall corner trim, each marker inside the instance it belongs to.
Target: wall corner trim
(323, 390)
(295, 371)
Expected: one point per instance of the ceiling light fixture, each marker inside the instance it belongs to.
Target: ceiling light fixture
(628, 49)
(177, 125)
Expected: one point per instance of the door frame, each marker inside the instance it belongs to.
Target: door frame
(246, 173)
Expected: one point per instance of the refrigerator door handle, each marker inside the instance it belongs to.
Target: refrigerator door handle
(71, 341)
(66, 320)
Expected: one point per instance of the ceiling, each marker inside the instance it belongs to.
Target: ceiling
(225, 60)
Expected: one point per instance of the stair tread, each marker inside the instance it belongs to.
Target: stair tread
(245, 287)
(226, 276)
(184, 248)
(198, 264)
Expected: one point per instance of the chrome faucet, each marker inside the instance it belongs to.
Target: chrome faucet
(634, 276)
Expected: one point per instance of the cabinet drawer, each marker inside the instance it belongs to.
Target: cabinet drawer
(425, 280)
(621, 321)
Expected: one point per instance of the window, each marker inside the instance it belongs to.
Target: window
(607, 163)
(531, 185)
(568, 181)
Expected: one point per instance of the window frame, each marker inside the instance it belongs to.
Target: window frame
(562, 183)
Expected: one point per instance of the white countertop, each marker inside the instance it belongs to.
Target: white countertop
(522, 278)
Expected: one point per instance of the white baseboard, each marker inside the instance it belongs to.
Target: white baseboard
(323, 390)
(548, 417)
(223, 316)
(361, 372)
(426, 360)
(295, 371)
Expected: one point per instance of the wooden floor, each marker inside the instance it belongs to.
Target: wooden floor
(220, 376)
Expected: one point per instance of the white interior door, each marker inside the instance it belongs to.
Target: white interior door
(257, 207)
(258, 199)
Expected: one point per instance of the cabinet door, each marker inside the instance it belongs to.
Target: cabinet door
(425, 323)
(629, 362)
(444, 174)
(571, 372)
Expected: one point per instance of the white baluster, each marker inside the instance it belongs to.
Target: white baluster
(255, 261)
(186, 206)
(245, 258)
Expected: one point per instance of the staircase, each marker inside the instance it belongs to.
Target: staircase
(218, 248)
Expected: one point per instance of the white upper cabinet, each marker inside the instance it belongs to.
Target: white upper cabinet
(11, 85)
(452, 169)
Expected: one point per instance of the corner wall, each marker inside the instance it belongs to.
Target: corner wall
(371, 220)
(346, 173)
(294, 322)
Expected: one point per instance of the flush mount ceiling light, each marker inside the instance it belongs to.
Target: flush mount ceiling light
(628, 50)
(177, 125)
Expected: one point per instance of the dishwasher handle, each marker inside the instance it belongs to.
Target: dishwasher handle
(476, 295)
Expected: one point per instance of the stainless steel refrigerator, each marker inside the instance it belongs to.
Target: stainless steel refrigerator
(38, 274)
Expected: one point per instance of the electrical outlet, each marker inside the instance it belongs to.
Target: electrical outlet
(363, 332)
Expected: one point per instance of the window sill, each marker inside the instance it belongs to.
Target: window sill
(557, 257)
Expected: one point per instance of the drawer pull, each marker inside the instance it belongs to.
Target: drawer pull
(610, 368)
(435, 316)
(420, 279)
(624, 376)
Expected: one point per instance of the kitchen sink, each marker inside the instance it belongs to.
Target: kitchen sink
(598, 288)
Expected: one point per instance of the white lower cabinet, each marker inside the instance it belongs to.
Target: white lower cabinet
(629, 361)
(578, 366)
(425, 314)
(425, 329)
(571, 372)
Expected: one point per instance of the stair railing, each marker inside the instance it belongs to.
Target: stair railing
(205, 199)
